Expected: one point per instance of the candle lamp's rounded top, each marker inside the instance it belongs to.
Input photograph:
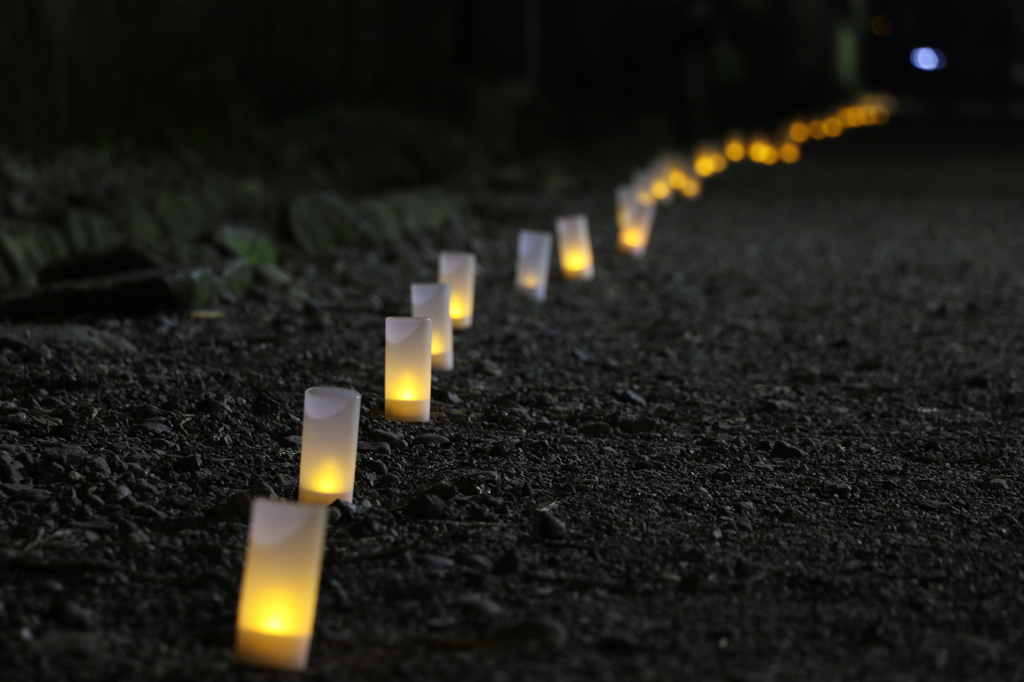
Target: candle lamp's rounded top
(397, 329)
(332, 393)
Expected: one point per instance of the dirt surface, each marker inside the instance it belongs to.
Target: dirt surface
(785, 445)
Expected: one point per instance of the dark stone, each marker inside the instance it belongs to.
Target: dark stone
(426, 506)
(550, 527)
(784, 450)
(429, 439)
(510, 562)
(190, 463)
(596, 429)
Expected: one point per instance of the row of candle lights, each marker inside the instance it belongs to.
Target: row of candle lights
(284, 554)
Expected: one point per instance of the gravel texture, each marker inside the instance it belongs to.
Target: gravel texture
(785, 445)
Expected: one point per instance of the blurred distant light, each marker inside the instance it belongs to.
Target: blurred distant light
(789, 152)
(816, 129)
(799, 132)
(832, 126)
(881, 26)
(927, 58)
(735, 149)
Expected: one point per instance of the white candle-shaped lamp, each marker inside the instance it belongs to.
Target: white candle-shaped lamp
(280, 583)
(635, 222)
(575, 253)
(407, 363)
(533, 263)
(458, 269)
(330, 431)
(432, 300)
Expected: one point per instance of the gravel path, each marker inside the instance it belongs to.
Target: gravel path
(785, 445)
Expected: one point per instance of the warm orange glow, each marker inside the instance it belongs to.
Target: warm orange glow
(457, 308)
(832, 126)
(409, 389)
(881, 26)
(704, 166)
(789, 152)
(735, 150)
(645, 198)
(771, 155)
(328, 479)
(816, 129)
(848, 117)
(719, 162)
(677, 179)
(799, 132)
(692, 189)
(575, 261)
(660, 190)
(632, 237)
(275, 613)
(528, 281)
(280, 583)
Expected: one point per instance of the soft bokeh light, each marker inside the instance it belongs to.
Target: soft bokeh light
(799, 131)
(881, 26)
(927, 58)
(789, 152)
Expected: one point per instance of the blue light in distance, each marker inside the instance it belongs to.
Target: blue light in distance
(927, 58)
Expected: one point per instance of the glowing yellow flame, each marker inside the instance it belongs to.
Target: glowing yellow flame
(771, 156)
(575, 261)
(816, 129)
(789, 152)
(799, 132)
(327, 480)
(436, 346)
(456, 308)
(274, 614)
(660, 190)
(632, 237)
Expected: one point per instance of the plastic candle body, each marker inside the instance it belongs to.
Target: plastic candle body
(458, 270)
(330, 431)
(533, 263)
(407, 369)
(280, 584)
(575, 253)
(432, 300)
(635, 222)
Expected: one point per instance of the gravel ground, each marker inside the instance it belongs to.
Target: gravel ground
(785, 445)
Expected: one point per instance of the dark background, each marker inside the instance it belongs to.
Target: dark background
(104, 71)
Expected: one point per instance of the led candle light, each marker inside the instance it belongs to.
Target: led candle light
(330, 431)
(575, 253)
(432, 300)
(634, 221)
(458, 270)
(533, 263)
(735, 147)
(407, 361)
(280, 583)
